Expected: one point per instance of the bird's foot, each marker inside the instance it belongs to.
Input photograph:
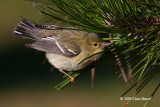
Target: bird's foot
(72, 79)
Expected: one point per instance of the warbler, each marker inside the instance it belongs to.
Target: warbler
(64, 48)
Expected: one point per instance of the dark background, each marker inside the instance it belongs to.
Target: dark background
(26, 82)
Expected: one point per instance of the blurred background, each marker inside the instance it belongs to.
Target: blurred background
(26, 82)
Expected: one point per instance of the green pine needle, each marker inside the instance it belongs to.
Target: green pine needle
(66, 82)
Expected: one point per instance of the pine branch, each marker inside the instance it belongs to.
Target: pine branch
(134, 25)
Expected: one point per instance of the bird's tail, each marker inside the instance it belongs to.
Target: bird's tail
(30, 30)
(27, 29)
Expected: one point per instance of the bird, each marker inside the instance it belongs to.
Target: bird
(63, 48)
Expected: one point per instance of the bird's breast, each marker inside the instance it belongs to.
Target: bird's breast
(68, 63)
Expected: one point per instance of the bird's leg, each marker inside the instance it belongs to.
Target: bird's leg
(72, 78)
(52, 69)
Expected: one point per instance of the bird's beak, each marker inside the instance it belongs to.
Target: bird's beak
(104, 44)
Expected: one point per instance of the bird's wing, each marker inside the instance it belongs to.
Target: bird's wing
(50, 44)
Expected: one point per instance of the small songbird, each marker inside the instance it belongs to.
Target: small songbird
(64, 48)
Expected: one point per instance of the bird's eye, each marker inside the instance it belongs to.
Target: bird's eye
(94, 44)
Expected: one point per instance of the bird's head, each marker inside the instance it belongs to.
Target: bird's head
(94, 43)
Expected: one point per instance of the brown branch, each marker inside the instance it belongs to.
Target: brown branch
(118, 61)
